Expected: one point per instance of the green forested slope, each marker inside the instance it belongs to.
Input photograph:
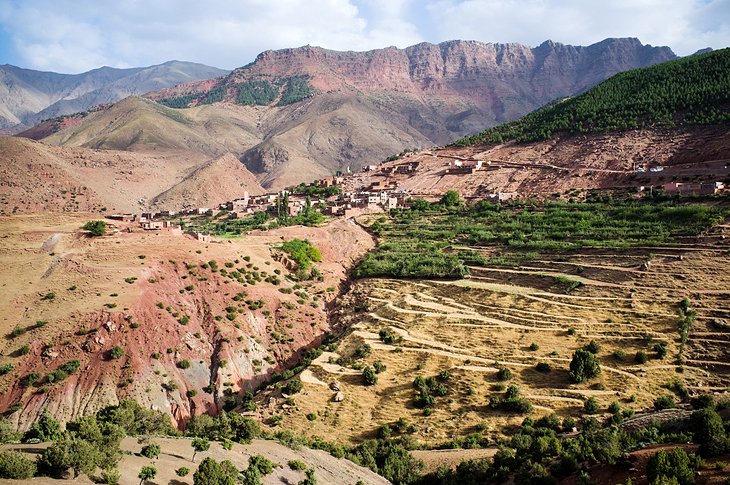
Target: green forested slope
(692, 90)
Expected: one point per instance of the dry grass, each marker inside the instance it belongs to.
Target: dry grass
(473, 326)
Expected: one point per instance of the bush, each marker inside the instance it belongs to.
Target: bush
(543, 367)
(297, 465)
(147, 473)
(593, 347)
(641, 357)
(293, 387)
(590, 406)
(504, 374)
(369, 377)
(182, 471)
(95, 228)
(584, 366)
(664, 402)
(184, 364)
(709, 432)
(110, 476)
(674, 464)
(151, 451)
(116, 352)
(16, 466)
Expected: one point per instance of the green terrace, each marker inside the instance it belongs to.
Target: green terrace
(424, 241)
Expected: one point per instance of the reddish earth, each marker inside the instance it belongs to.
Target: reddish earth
(228, 341)
(568, 163)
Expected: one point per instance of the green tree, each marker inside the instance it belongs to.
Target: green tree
(147, 473)
(450, 199)
(584, 366)
(210, 472)
(45, 428)
(95, 228)
(151, 451)
(369, 377)
(709, 432)
(199, 444)
(16, 465)
(671, 464)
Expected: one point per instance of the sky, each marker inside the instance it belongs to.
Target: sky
(72, 36)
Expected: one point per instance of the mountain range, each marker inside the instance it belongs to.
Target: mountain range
(296, 115)
(28, 97)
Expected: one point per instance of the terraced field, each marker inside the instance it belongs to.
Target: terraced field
(517, 317)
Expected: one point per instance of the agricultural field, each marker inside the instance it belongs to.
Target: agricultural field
(461, 361)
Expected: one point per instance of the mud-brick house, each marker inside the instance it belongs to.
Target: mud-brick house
(693, 188)
(407, 168)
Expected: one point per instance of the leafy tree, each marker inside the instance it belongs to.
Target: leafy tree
(590, 406)
(369, 377)
(584, 366)
(151, 451)
(147, 473)
(210, 472)
(709, 432)
(45, 428)
(15, 465)
(664, 402)
(199, 444)
(95, 228)
(450, 199)
(116, 352)
(75, 453)
(674, 464)
(293, 387)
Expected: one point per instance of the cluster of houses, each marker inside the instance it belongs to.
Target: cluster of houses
(682, 188)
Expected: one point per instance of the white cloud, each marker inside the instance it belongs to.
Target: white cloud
(73, 35)
(77, 35)
(684, 25)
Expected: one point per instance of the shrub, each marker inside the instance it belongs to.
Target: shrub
(110, 476)
(116, 352)
(151, 451)
(534, 347)
(95, 228)
(369, 377)
(543, 367)
(293, 386)
(664, 402)
(590, 406)
(184, 364)
(709, 432)
(661, 350)
(674, 464)
(584, 366)
(641, 357)
(593, 347)
(147, 473)
(504, 374)
(182, 471)
(16, 465)
(297, 465)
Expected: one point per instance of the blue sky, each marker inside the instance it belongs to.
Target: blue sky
(77, 35)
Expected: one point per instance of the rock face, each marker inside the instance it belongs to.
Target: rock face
(318, 111)
(454, 88)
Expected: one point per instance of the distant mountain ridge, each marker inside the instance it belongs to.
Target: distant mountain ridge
(446, 90)
(28, 96)
(295, 115)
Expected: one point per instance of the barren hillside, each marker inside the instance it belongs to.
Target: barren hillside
(162, 299)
